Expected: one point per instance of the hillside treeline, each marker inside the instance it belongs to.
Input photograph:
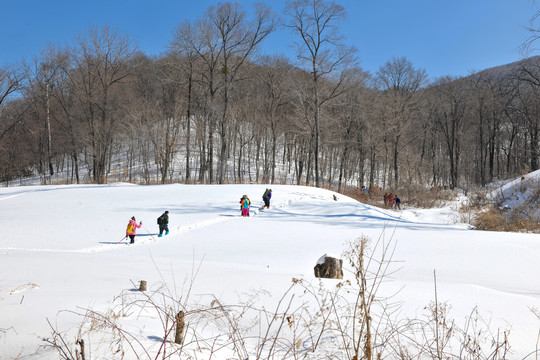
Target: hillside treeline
(213, 109)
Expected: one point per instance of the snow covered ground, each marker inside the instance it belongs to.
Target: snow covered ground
(61, 254)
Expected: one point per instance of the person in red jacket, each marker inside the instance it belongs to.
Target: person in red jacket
(392, 200)
(131, 230)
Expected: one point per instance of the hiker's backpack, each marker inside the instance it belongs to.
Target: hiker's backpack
(129, 229)
(160, 220)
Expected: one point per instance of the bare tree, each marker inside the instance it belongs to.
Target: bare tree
(528, 90)
(491, 100)
(304, 127)
(15, 156)
(67, 114)
(11, 81)
(46, 74)
(11, 120)
(348, 119)
(239, 39)
(320, 47)
(224, 39)
(399, 82)
(101, 60)
(450, 114)
(534, 31)
(201, 40)
(169, 125)
(275, 75)
(183, 44)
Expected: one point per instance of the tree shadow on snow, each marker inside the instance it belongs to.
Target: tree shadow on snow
(347, 215)
(155, 338)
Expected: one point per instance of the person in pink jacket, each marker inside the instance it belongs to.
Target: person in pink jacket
(244, 205)
(131, 230)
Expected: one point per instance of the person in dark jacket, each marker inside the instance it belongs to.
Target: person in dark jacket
(163, 222)
(266, 198)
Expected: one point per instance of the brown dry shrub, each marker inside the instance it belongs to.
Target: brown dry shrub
(501, 220)
(524, 218)
(489, 219)
(434, 197)
(374, 198)
(410, 196)
(478, 200)
(520, 224)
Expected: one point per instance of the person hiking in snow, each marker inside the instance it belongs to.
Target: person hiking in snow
(363, 193)
(266, 198)
(244, 204)
(391, 200)
(131, 230)
(397, 202)
(163, 222)
(364, 190)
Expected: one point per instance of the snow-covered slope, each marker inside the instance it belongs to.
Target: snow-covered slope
(61, 253)
(521, 192)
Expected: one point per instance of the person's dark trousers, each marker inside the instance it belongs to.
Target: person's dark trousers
(266, 202)
(163, 228)
(132, 238)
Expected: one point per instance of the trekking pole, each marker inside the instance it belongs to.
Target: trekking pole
(152, 236)
(125, 237)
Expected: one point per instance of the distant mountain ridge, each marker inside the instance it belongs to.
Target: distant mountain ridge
(506, 69)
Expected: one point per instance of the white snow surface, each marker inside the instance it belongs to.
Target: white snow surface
(61, 251)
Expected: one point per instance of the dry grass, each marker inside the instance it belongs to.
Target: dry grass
(498, 216)
(411, 196)
(489, 219)
(521, 219)
(434, 197)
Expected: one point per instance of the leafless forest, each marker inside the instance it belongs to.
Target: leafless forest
(214, 109)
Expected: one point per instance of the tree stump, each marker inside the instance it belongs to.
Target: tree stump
(142, 285)
(329, 268)
(179, 335)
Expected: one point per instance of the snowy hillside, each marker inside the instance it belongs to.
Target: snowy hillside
(520, 192)
(63, 261)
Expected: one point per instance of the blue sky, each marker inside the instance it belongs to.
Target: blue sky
(442, 37)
